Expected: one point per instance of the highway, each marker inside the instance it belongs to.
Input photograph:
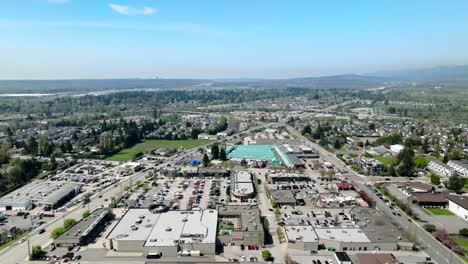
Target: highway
(426, 241)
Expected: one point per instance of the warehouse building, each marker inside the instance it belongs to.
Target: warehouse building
(48, 194)
(247, 228)
(283, 197)
(302, 237)
(84, 230)
(169, 234)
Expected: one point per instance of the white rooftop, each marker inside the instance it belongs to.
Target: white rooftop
(167, 229)
(301, 233)
(342, 234)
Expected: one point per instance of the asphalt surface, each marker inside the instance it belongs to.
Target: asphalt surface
(438, 252)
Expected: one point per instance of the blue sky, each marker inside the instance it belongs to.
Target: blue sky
(60, 39)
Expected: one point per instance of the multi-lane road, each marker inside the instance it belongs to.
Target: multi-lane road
(426, 241)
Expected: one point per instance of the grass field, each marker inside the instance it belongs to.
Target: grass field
(420, 161)
(462, 242)
(387, 161)
(438, 211)
(148, 145)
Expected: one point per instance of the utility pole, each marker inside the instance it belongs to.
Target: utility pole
(29, 251)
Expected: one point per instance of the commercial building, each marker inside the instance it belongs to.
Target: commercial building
(242, 186)
(49, 194)
(372, 232)
(370, 166)
(458, 205)
(460, 166)
(283, 197)
(259, 153)
(85, 229)
(170, 233)
(281, 177)
(302, 237)
(440, 168)
(373, 258)
(430, 200)
(247, 228)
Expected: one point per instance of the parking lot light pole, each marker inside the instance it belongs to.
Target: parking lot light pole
(29, 250)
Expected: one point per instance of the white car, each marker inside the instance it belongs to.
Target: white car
(21, 241)
(243, 259)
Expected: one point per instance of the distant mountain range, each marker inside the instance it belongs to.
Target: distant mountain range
(441, 73)
(453, 74)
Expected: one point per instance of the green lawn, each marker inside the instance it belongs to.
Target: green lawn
(438, 211)
(387, 161)
(148, 145)
(462, 242)
(422, 161)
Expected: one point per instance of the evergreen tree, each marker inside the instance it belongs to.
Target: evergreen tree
(215, 151)
(445, 158)
(337, 144)
(206, 160)
(406, 166)
(222, 154)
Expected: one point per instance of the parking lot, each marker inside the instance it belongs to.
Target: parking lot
(178, 193)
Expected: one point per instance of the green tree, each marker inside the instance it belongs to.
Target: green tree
(406, 164)
(266, 255)
(222, 154)
(337, 144)
(57, 232)
(435, 179)
(215, 151)
(463, 232)
(37, 252)
(85, 214)
(456, 183)
(445, 159)
(425, 146)
(430, 228)
(206, 160)
(69, 222)
(307, 130)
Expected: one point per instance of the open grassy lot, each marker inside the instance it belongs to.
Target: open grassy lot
(387, 161)
(438, 211)
(148, 145)
(463, 242)
(420, 161)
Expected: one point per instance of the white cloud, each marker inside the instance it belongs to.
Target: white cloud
(132, 11)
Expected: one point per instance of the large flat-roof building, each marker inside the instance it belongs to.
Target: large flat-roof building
(302, 237)
(84, 229)
(49, 194)
(167, 233)
(247, 228)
